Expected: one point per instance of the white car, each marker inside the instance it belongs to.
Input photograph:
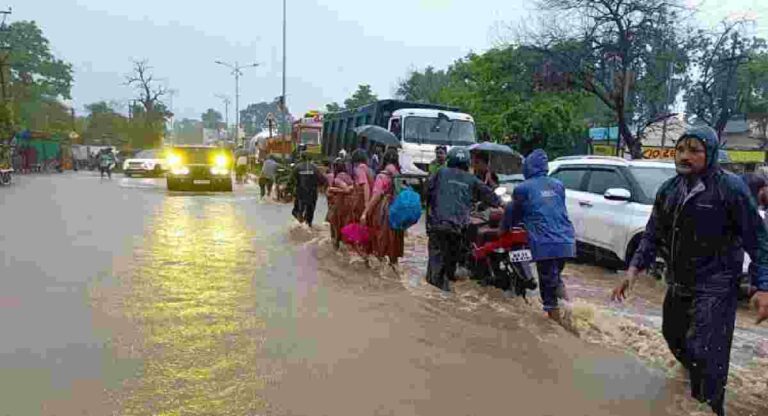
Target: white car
(145, 163)
(609, 201)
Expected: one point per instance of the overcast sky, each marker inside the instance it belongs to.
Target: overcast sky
(333, 45)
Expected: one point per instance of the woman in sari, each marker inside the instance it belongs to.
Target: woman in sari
(386, 242)
(361, 193)
(340, 186)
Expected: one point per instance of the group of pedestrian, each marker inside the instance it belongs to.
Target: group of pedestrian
(359, 194)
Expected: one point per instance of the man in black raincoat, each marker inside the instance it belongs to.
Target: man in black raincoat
(701, 220)
(308, 180)
(451, 192)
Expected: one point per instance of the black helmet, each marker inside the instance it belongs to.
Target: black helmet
(458, 157)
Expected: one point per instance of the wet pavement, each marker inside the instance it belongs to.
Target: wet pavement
(117, 297)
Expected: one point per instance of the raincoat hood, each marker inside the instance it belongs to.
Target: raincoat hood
(708, 136)
(536, 164)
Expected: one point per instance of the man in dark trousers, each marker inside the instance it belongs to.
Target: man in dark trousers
(701, 221)
(308, 180)
(450, 192)
(539, 204)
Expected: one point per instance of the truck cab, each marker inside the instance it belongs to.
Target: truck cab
(421, 130)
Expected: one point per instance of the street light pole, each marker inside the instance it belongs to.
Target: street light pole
(237, 72)
(284, 101)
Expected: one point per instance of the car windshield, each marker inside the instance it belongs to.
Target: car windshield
(431, 130)
(196, 156)
(310, 137)
(146, 154)
(651, 178)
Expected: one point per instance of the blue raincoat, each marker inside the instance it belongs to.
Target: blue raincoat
(700, 226)
(539, 203)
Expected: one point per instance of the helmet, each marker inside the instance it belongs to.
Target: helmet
(458, 157)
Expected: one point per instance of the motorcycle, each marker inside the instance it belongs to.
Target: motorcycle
(5, 176)
(497, 259)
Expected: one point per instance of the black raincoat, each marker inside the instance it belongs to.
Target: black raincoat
(700, 228)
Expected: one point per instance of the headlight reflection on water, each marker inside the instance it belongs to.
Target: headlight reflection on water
(193, 303)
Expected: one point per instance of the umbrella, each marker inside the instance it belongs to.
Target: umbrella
(378, 134)
(491, 147)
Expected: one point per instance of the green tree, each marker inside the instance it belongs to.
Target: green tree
(363, 96)
(500, 89)
(423, 87)
(105, 125)
(610, 49)
(754, 81)
(333, 107)
(715, 93)
(254, 117)
(32, 80)
(212, 119)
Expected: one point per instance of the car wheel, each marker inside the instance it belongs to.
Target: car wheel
(172, 184)
(227, 186)
(127, 175)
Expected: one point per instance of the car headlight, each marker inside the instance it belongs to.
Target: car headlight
(180, 170)
(221, 161)
(174, 160)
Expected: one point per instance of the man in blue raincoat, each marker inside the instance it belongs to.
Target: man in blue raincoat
(701, 221)
(539, 204)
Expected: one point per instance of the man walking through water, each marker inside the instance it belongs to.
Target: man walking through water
(450, 191)
(701, 220)
(308, 179)
(539, 204)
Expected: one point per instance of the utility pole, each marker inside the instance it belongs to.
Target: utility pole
(237, 72)
(5, 52)
(284, 101)
(666, 105)
(171, 93)
(226, 101)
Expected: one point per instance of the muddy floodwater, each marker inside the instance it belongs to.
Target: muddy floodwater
(219, 304)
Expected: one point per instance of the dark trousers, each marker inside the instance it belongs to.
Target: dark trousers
(304, 208)
(265, 185)
(445, 249)
(698, 329)
(106, 170)
(550, 280)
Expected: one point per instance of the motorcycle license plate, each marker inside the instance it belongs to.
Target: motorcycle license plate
(518, 256)
(201, 182)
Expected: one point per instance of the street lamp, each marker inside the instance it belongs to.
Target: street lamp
(237, 72)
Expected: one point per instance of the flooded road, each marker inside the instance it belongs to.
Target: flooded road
(129, 300)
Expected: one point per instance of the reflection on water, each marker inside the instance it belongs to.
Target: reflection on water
(190, 300)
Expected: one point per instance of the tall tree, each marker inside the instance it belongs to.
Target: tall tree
(333, 107)
(32, 80)
(363, 96)
(254, 117)
(424, 86)
(754, 81)
(148, 122)
(715, 94)
(211, 119)
(105, 125)
(610, 49)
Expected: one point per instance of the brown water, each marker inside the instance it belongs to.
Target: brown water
(227, 308)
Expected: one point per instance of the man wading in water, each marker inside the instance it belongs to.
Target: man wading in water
(701, 220)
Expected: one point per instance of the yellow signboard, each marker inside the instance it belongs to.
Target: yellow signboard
(668, 153)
